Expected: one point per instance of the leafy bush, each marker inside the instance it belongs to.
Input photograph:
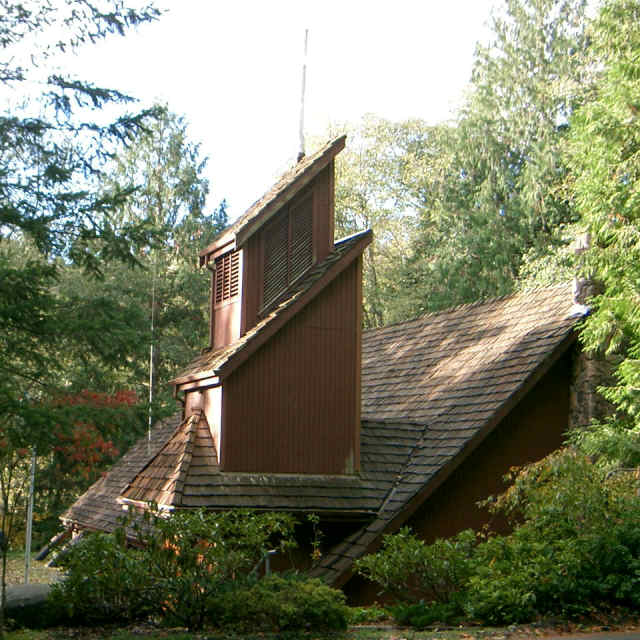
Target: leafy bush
(423, 614)
(575, 548)
(283, 603)
(105, 581)
(364, 615)
(408, 569)
(184, 564)
(195, 557)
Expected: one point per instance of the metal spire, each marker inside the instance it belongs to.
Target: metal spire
(301, 152)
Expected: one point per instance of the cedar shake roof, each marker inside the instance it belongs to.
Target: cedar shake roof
(97, 508)
(455, 367)
(282, 191)
(188, 455)
(457, 374)
(202, 484)
(221, 361)
(138, 477)
(433, 389)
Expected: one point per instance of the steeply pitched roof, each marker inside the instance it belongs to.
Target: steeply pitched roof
(221, 361)
(282, 191)
(455, 367)
(165, 480)
(457, 374)
(433, 388)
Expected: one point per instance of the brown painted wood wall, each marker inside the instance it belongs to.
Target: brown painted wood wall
(293, 406)
(225, 323)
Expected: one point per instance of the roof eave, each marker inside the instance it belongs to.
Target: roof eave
(202, 380)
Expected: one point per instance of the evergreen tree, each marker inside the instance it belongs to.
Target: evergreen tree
(56, 138)
(491, 189)
(166, 172)
(604, 155)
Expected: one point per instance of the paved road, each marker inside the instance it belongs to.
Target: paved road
(20, 595)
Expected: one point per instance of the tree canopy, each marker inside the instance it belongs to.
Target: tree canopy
(90, 188)
(468, 200)
(604, 156)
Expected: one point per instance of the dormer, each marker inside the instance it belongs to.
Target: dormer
(255, 262)
(279, 386)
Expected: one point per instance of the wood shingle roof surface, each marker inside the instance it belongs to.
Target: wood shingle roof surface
(181, 472)
(456, 374)
(97, 508)
(432, 389)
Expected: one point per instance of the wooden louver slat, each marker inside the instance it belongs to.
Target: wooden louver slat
(301, 255)
(276, 265)
(227, 276)
(288, 248)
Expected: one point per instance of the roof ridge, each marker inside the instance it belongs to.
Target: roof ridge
(186, 426)
(298, 173)
(470, 305)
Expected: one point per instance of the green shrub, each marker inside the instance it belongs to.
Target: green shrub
(196, 557)
(282, 603)
(410, 570)
(184, 564)
(421, 614)
(105, 582)
(364, 615)
(574, 549)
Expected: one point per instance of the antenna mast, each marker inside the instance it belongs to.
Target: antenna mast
(301, 152)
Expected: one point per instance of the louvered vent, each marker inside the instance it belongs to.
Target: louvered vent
(276, 258)
(301, 239)
(288, 248)
(227, 276)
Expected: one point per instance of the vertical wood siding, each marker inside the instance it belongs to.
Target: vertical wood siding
(252, 277)
(226, 323)
(323, 213)
(293, 406)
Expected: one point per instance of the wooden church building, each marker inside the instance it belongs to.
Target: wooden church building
(292, 407)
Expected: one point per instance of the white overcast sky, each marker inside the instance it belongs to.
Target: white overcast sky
(233, 69)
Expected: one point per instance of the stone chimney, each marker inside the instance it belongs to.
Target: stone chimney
(590, 370)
